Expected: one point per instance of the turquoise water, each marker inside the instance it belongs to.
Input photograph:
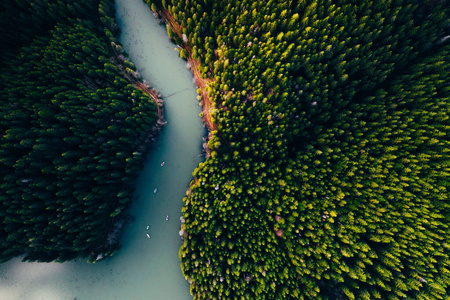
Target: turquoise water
(143, 268)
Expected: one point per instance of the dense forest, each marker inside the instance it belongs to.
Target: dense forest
(74, 129)
(329, 169)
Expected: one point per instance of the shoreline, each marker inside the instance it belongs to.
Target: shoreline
(121, 59)
(133, 77)
(200, 82)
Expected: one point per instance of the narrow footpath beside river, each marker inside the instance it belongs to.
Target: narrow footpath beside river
(143, 268)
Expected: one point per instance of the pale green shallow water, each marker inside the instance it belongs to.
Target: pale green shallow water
(144, 268)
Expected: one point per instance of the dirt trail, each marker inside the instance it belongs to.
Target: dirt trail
(201, 82)
(152, 95)
(134, 79)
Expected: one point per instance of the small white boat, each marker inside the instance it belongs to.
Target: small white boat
(148, 227)
(148, 235)
(167, 218)
(155, 190)
(162, 164)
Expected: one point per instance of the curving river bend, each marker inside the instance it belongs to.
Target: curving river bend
(143, 268)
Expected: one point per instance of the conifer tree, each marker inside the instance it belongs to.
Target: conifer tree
(328, 171)
(71, 124)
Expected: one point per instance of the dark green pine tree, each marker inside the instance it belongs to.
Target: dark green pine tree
(70, 130)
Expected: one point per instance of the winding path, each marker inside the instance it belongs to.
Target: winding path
(201, 82)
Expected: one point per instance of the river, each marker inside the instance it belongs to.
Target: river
(144, 268)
